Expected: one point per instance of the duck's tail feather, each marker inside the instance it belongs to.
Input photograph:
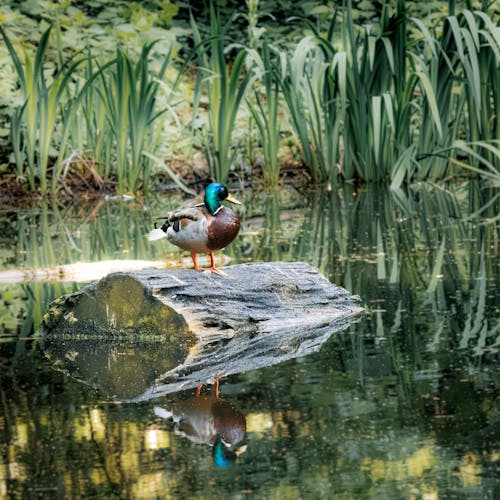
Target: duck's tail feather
(163, 413)
(156, 234)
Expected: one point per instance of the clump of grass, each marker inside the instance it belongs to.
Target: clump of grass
(376, 129)
(458, 79)
(225, 86)
(108, 112)
(313, 88)
(129, 94)
(398, 101)
(264, 109)
(91, 131)
(45, 104)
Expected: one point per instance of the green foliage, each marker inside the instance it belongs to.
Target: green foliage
(35, 121)
(410, 100)
(457, 74)
(408, 96)
(109, 117)
(378, 95)
(264, 109)
(128, 93)
(314, 90)
(395, 101)
(225, 87)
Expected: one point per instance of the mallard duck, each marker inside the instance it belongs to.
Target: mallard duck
(209, 419)
(204, 228)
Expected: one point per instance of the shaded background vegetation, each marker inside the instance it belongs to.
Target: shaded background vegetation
(395, 91)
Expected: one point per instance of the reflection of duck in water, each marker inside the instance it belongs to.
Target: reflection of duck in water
(209, 420)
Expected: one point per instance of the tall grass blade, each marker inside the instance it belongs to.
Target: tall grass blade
(436, 270)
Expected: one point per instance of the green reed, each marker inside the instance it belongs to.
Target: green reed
(106, 113)
(16, 140)
(129, 94)
(264, 109)
(456, 63)
(46, 105)
(225, 86)
(379, 97)
(351, 106)
(480, 59)
(441, 106)
(92, 133)
(397, 101)
(477, 48)
(314, 91)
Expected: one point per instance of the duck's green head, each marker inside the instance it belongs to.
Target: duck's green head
(222, 455)
(214, 194)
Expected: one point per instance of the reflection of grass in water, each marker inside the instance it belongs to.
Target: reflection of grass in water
(382, 245)
(51, 237)
(406, 254)
(403, 253)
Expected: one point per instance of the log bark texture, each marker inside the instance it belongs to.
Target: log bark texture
(256, 315)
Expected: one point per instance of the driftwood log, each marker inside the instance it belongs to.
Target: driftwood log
(178, 328)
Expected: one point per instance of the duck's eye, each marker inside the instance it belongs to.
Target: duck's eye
(223, 192)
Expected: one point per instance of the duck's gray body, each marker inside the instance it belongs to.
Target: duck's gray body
(196, 230)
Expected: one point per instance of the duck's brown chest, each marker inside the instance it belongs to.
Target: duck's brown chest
(222, 229)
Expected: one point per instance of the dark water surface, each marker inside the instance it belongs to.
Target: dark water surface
(404, 404)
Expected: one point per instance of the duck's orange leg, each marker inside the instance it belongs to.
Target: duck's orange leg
(196, 266)
(212, 266)
(216, 388)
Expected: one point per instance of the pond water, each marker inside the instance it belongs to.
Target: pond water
(403, 404)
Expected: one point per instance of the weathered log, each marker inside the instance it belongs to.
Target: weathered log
(204, 324)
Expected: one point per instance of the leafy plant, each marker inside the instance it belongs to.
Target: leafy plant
(459, 95)
(379, 96)
(264, 109)
(129, 94)
(92, 132)
(225, 86)
(35, 121)
(313, 88)
(397, 100)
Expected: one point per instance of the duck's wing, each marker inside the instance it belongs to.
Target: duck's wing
(185, 219)
(186, 216)
(188, 229)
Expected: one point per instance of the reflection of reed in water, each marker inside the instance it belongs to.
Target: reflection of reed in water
(394, 248)
(48, 237)
(400, 250)
(209, 419)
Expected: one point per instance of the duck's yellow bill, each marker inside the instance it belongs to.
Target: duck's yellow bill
(233, 200)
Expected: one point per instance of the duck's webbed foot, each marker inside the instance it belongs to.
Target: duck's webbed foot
(212, 265)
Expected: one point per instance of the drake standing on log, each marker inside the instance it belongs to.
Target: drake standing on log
(203, 228)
